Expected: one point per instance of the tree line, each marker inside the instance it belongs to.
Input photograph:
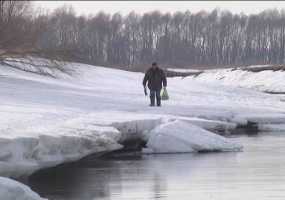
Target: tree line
(182, 39)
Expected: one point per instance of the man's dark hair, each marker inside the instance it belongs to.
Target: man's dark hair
(154, 64)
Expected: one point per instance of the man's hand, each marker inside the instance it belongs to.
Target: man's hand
(145, 91)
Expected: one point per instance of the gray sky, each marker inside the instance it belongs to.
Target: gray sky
(125, 7)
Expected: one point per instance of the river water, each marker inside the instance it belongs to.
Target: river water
(257, 173)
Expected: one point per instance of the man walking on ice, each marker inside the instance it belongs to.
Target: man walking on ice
(154, 78)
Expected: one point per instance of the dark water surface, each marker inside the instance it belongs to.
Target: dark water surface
(256, 173)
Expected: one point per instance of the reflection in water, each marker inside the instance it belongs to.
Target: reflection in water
(256, 173)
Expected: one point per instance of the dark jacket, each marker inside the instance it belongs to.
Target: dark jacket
(155, 77)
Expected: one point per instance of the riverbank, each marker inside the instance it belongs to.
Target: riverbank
(53, 118)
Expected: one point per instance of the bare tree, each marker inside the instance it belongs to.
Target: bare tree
(182, 39)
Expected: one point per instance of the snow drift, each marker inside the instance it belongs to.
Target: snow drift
(262, 80)
(181, 137)
(22, 155)
(13, 190)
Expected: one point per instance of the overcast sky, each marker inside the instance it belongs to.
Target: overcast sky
(125, 7)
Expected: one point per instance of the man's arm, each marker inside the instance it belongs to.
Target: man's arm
(145, 79)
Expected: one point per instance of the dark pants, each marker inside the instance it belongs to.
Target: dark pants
(155, 94)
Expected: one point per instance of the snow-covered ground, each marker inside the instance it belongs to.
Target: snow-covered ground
(264, 80)
(54, 118)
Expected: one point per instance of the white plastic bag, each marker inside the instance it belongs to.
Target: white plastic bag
(164, 94)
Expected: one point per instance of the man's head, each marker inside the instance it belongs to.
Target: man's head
(154, 65)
